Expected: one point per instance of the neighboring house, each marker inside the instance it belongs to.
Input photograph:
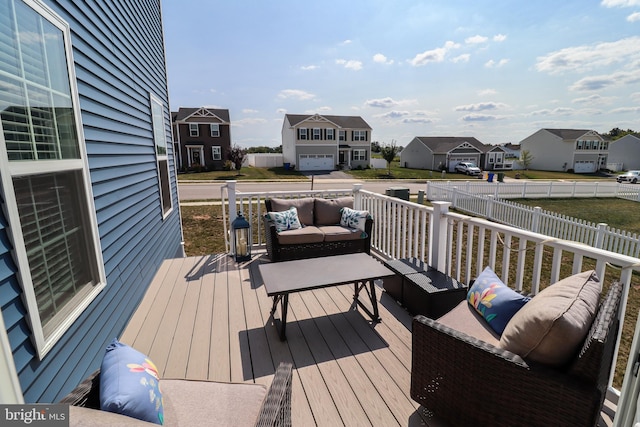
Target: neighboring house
(438, 152)
(321, 142)
(625, 152)
(202, 137)
(583, 151)
(88, 188)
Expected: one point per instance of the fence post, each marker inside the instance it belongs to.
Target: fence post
(535, 219)
(524, 189)
(595, 190)
(573, 192)
(357, 197)
(489, 211)
(550, 188)
(438, 233)
(454, 198)
(600, 235)
(429, 195)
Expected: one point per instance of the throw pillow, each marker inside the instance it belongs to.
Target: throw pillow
(494, 301)
(551, 328)
(354, 219)
(129, 384)
(327, 211)
(287, 220)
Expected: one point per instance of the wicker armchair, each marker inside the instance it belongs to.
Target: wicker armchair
(464, 381)
(275, 409)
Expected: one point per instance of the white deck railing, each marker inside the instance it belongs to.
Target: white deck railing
(541, 221)
(460, 245)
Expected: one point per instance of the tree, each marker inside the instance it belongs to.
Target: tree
(389, 152)
(525, 159)
(236, 155)
(375, 146)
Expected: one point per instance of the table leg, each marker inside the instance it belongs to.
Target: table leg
(284, 308)
(371, 292)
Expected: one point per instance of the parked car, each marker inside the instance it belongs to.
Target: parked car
(631, 176)
(469, 168)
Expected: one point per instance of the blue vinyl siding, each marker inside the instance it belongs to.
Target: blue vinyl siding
(119, 58)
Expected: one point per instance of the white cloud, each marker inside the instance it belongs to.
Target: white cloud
(479, 118)
(499, 38)
(346, 42)
(281, 111)
(324, 109)
(248, 121)
(620, 3)
(619, 78)
(381, 103)
(623, 110)
(560, 111)
(585, 58)
(411, 120)
(493, 64)
(634, 17)
(635, 96)
(477, 39)
(593, 100)
(393, 114)
(249, 111)
(461, 58)
(434, 55)
(481, 106)
(295, 93)
(309, 67)
(486, 92)
(350, 64)
(381, 59)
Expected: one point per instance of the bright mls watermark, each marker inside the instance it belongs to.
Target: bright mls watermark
(49, 415)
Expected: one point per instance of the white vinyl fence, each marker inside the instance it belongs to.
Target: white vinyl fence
(541, 221)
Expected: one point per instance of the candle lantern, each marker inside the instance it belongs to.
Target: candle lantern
(241, 230)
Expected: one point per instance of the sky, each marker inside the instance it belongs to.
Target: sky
(496, 70)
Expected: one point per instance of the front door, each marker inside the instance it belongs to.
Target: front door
(195, 155)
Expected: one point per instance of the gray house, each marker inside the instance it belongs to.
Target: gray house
(437, 152)
(88, 190)
(625, 153)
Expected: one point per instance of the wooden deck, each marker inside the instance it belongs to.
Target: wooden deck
(208, 318)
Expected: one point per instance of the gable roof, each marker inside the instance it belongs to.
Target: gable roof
(569, 134)
(186, 113)
(445, 144)
(346, 122)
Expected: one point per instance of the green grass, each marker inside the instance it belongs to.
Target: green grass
(248, 173)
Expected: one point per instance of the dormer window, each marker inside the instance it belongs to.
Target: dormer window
(317, 133)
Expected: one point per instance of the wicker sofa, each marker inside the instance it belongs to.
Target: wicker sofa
(194, 403)
(321, 233)
(463, 380)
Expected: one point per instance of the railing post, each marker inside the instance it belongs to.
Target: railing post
(438, 233)
(429, 195)
(535, 219)
(600, 235)
(357, 197)
(231, 193)
(454, 198)
(595, 190)
(489, 210)
(550, 189)
(573, 192)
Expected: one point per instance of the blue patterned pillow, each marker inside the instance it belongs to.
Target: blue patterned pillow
(287, 220)
(495, 301)
(129, 384)
(354, 219)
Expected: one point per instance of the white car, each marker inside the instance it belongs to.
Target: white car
(631, 176)
(469, 168)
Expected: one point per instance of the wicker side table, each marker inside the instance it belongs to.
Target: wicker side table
(393, 285)
(431, 293)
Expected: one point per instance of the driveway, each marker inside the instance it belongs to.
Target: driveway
(333, 174)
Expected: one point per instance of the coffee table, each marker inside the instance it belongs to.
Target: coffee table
(284, 278)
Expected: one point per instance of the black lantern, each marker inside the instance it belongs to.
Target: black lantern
(241, 230)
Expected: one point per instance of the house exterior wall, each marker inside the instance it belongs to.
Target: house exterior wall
(206, 141)
(626, 151)
(549, 151)
(288, 143)
(119, 61)
(417, 156)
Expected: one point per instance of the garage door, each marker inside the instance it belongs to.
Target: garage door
(584, 166)
(453, 161)
(316, 162)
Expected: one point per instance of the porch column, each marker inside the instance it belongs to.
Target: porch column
(438, 233)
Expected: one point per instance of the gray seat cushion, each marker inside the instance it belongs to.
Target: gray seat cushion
(300, 236)
(337, 233)
(463, 318)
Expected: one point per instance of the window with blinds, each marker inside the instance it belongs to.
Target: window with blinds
(44, 171)
(160, 140)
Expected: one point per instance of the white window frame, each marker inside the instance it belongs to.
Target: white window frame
(214, 128)
(11, 169)
(317, 134)
(194, 130)
(330, 134)
(359, 155)
(342, 135)
(303, 134)
(359, 135)
(216, 152)
(162, 156)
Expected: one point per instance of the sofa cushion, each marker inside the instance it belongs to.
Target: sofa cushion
(463, 318)
(129, 384)
(309, 234)
(354, 219)
(552, 326)
(86, 417)
(303, 205)
(327, 211)
(193, 403)
(285, 220)
(337, 233)
(494, 301)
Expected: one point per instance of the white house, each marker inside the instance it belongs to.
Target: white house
(625, 152)
(320, 142)
(584, 151)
